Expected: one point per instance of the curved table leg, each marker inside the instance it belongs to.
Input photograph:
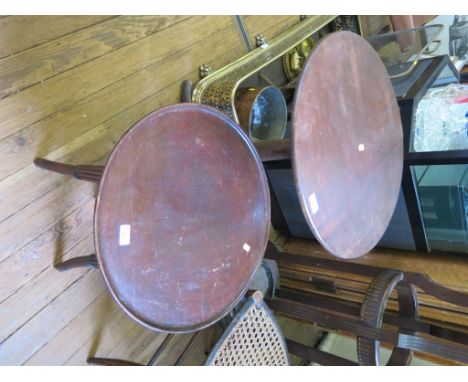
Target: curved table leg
(186, 91)
(82, 172)
(111, 362)
(82, 261)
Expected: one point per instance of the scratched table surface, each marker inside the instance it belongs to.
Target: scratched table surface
(182, 218)
(347, 145)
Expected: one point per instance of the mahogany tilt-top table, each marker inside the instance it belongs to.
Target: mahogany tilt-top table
(347, 145)
(346, 148)
(181, 219)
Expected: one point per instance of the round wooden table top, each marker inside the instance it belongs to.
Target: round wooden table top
(347, 145)
(182, 218)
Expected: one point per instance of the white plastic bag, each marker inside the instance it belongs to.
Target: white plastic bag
(441, 121)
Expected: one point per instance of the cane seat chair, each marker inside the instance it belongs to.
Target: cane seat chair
(252, 338)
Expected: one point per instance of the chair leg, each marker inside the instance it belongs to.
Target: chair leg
(82, 261)
(160, 349)
(111, 362)
(82, 172)
(187, 348)
(186, 91)
(121, 362)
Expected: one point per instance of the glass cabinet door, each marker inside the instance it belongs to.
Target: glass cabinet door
(443, 198)
(439, 128)
(433, 105)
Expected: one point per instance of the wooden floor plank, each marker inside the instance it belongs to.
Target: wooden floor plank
(139, 346)
(37, 64)
(42, 214)
(173, 350)
(44, 136)
(201, 347)
(30, 183)
(44, 250)
(85, 325)
(23, 32)
(37, 102)
(33, 297)
(267, 26)
(109, 334)
(23, 343)
(121, 122)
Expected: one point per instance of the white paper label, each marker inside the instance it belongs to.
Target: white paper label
(246, 247)
(361, 147)
(313, 203)
(124, 234)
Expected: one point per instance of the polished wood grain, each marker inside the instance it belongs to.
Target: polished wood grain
(88, 95)
(193, 216)
(347, 145)
(44, 61)
(20, 33)
(267, 26)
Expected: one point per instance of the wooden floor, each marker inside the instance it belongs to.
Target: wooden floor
(69, 88)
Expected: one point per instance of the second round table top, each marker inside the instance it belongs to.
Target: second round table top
(182, 218)
(347, 145)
